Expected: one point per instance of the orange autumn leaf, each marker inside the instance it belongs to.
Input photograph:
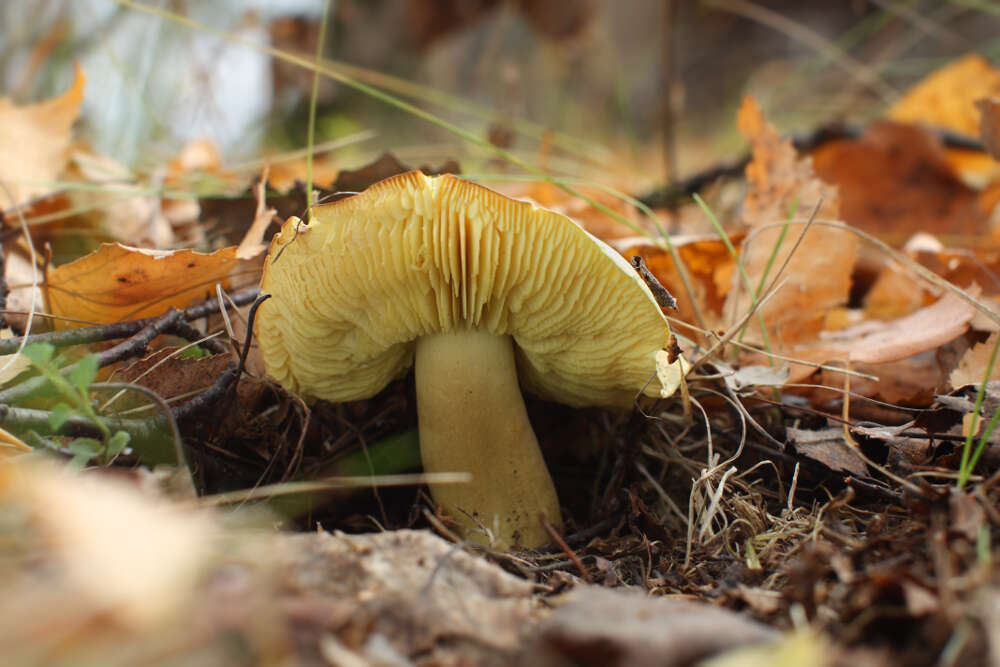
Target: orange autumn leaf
(35, 142)
(118, 282)
(895, 179)
(590, 218)
(779, 182)
(709, 265)
(946, 97)
(818, 276)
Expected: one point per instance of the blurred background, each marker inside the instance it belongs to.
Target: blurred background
(644, 89)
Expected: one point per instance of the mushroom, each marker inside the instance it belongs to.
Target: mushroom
(484, 295)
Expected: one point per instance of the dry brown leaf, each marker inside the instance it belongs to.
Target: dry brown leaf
(34, 143)
(778, 181)
(966, 515)
(125, 212)
(926, 329)
(972, 367)
(878, 342)
(171, 376)
(989, 124)
(828, 447)
(911, 381)
(118, 282)
(645, 631)
(896, 179)
(895, 293)
(819, 274)
(253, 242)
(946, 97)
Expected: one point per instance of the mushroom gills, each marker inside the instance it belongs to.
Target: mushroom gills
(472, 419)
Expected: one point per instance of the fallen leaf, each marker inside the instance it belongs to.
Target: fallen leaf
(828, 447)
(595, 221)
(896, 292)
(709, 265)
(760, 600)
(286, 174)
(779, 182)
(966, 515)
(989, 124)
(253, 243)
(118, 282)
(169, 376)
(645, 631)
(35, 142)
(412, 589)
(971, 368)
(895, 179)
(878, 342)
(124, 212)
(903, 450)
(926, 329)
(946, 97)
(910, 381)
(818, 275)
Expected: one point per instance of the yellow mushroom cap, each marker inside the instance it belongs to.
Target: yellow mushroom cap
(415, 255)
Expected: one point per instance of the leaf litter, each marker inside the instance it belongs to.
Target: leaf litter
(784, 524)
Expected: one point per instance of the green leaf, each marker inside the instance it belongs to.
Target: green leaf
(84, 372)
(117, 442)
(39, 353)
(59, 415)
(85, 448)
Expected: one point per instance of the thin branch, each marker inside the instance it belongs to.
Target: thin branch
(117, 330)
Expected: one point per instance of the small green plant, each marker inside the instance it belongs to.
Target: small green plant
(74, 388)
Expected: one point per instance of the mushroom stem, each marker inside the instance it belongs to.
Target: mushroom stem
(472, 419)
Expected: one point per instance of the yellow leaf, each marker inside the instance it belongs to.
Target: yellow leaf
(34, 143)
(118, 282)
(946, 98)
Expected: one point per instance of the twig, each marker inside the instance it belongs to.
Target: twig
(877, 490)
(207, 397)
(558, 539)
(117, 330)
(251, 316)
(136, 345)
(193, 335)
